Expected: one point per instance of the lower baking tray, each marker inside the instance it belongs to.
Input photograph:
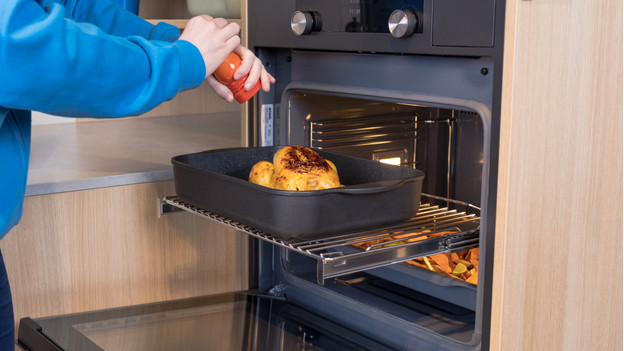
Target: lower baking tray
(374, 195)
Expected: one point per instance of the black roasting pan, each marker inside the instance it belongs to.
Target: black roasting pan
(375, 194)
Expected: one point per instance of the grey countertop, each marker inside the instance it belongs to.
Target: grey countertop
(70, 157)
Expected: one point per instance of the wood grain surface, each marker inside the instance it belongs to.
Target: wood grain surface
(104, 248)
(558, 255)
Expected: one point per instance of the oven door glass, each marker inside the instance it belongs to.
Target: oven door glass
(236, 321)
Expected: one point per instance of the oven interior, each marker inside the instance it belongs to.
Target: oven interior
(445, 143)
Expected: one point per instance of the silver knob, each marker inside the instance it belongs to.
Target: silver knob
(402, 23)
(305, 22)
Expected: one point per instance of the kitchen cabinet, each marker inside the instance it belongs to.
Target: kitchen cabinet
(103, 248)
(558, 255)
(91, 236)
(176, 10)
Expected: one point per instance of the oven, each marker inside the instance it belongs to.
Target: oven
(412, 83)
(415, 83)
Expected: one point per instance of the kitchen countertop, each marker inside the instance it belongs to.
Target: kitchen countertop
(88, 155)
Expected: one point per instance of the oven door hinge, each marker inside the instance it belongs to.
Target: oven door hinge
(32, 337)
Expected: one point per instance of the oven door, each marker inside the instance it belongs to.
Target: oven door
(234, 321)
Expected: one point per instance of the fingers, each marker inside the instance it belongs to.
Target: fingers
(267, 79)
(258, 71)
(232, 43)
(221, 22)
(253, 67)
(247, 58)
(221, 90)
(254, 72)
(215, 38)
(206, 19)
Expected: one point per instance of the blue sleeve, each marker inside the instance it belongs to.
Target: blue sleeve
(113, 19)
(56, 65)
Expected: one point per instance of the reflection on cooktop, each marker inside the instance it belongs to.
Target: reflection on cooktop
(237, 321)
(219, 326)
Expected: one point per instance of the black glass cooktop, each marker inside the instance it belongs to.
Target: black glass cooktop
(236, 321)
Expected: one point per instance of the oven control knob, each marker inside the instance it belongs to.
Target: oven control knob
(305, 22)
(402, 23)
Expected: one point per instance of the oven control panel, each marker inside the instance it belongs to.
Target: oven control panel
(365, 16)
(429, 27)
(402, 23)
(305, 22)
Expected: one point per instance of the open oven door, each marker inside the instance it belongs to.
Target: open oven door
(233, 321)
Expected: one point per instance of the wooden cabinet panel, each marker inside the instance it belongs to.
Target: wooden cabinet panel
(558, 256)
(173, 9)
(103, 248)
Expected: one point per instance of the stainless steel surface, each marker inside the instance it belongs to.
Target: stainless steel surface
(301, 22)
(337, 256)
(371, 130)
(402, 23)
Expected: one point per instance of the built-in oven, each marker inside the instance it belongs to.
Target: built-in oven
(414, 83)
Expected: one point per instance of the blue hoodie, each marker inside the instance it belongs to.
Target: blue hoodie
(80, 58)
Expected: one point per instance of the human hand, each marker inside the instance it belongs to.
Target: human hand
(250, 69)
(253, 67)
(214, 38)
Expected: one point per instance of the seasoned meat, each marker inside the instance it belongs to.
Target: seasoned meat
(262, 174)
(296, 168)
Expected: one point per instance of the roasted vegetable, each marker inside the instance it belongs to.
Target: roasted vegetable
(462, 265)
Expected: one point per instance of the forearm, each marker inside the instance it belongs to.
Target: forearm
(113, 19)
(62, 67)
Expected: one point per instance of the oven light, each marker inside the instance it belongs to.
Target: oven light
(396, 157)
(391, 161)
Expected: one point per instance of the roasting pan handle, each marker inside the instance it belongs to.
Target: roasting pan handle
(373, 188)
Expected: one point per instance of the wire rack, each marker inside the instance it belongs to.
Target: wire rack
(441, 225)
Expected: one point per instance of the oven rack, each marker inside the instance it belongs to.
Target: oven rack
(455, 223)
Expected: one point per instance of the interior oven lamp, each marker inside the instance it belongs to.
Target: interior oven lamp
(391, 161)
(391, 157)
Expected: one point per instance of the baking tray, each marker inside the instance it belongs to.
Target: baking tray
(374, 195)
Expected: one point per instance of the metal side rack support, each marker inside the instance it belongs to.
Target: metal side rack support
(441, 225)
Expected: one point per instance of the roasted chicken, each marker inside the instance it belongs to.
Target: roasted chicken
(296, 168)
